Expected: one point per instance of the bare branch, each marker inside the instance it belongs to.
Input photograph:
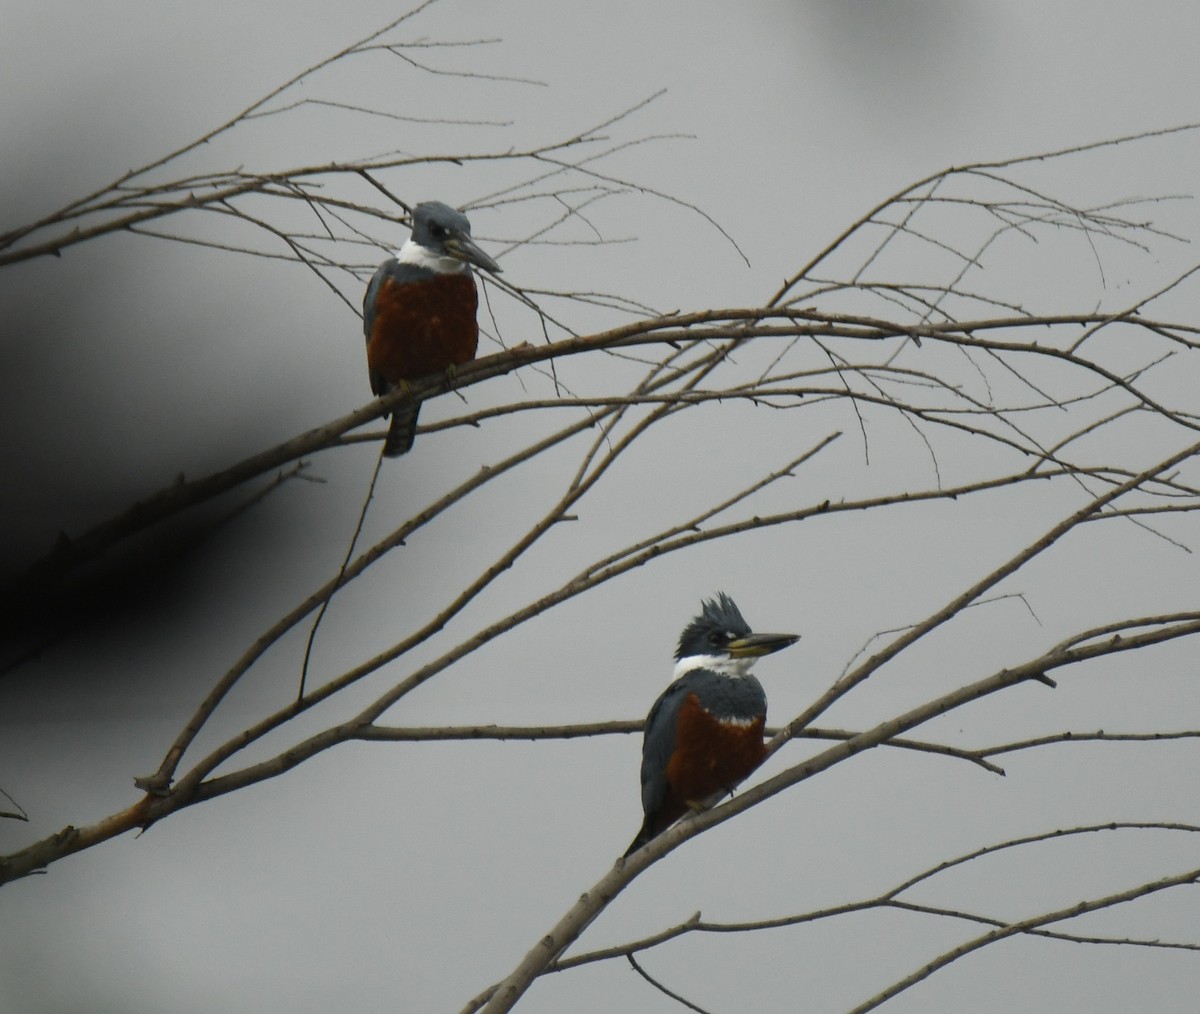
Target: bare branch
(1026, 926)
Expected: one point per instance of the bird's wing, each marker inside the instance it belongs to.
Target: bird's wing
(379, 386)
(658, 743)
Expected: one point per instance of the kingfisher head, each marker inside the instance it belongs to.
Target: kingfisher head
(441, 242)
(720, 639)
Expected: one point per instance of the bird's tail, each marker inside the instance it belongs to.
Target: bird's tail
(403, 430)
(647, 832)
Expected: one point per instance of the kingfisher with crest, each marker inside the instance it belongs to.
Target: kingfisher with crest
(704, 734)
(419, 311)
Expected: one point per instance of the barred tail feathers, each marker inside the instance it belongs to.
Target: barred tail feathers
(403, 430)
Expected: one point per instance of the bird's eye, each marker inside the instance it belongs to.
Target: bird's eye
(439, 231)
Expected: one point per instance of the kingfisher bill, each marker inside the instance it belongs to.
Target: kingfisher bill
(419, 311)
(704, 734)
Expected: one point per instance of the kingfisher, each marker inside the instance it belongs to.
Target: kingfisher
(419, 311)
(704, 735)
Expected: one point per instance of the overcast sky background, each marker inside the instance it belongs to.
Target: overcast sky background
(408, 877)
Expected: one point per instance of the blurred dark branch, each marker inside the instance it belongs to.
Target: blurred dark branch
(38, 612)
(183, 494)
(736, 325)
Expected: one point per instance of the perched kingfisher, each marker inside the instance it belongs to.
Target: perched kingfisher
(419, 311)
(705, 733)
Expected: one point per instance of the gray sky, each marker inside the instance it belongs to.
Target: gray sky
(408, 877)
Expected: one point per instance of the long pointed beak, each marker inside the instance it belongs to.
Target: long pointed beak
(464, 248)
(756, 645)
